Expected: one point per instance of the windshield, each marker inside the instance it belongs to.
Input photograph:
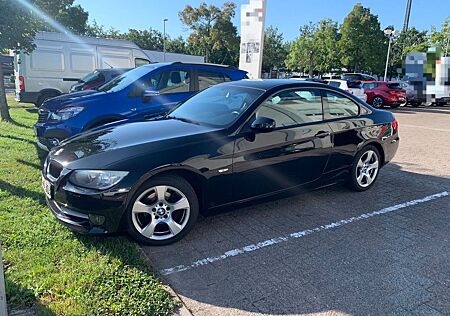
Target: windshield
(218, 106)
(92, 76)
(335, 84)
(123, 81)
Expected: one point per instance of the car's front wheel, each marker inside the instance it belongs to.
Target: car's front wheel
(365, 169)
(162, 211)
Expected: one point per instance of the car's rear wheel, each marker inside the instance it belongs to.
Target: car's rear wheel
(378, 102)
(416, 104)
(365, 169)
(44, 97)
(162, 211)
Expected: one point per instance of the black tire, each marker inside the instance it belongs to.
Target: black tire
(378, 102)
(44, 97)
(352, 181)
(416, 104)
(165, 180)
(395, 105)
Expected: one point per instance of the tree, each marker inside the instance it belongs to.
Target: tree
(362, 44)
(442, 38)
(315, 49)
(72, 17)
(212, 32)
(300, 54)
(410, 41)
(17, 30)
(176, 45)
(275, 49)
(147, 39)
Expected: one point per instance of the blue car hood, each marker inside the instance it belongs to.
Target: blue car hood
(65, 100)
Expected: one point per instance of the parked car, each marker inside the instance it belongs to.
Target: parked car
(381, 93)
(97, 78)
(411, 94)
(60, 60)
(234, 142)
(140, 93)
(357, 77)
(353, 87)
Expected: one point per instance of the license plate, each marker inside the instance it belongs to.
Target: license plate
(48, 187)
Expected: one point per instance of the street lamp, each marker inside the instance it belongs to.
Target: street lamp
(390, 33)
(164, 40)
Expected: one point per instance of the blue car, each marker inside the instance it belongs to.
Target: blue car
(138, 94)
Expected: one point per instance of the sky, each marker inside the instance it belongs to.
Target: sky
(287, 15)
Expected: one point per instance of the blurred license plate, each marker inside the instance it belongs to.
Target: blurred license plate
(48, 187)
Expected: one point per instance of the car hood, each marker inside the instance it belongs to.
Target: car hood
(80, 97)
(104, 147)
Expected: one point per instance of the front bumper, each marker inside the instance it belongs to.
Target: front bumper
(49, 137)
(86, 212)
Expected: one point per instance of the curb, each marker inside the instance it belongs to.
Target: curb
(183, 310)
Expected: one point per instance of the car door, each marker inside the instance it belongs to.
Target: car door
(346, 119)
(294, 153)
(171, 86)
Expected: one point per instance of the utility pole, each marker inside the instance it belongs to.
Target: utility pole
(164, 40)
(311, 63)
(407, 14)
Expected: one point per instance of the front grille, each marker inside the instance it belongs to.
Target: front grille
(54, 169)
(42, 115)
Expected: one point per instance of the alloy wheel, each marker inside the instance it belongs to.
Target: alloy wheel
(367, 168)
(160, 212)
(377, 102)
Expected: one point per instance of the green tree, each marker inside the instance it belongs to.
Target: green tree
(326, 56)
(176, 45)
(212, 32)
(275, 49)
(73, 17)
(300, 54)
(147, 39)
(409, 41)
(442, 38)
(362, 44)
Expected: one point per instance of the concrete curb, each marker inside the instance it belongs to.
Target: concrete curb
(182, 310)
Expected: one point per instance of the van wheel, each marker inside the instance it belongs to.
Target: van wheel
(44, 97)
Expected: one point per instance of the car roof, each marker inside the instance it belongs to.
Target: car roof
(268, 84)
(210, 65)
(113, 70)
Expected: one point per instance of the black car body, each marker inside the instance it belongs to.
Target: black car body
(98, 77)
(250, 157)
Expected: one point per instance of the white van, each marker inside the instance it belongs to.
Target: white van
(59, 60)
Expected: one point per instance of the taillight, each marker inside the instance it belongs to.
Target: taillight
(395, 125)
(21, 83)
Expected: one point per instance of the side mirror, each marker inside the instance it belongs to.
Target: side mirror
(263, 125)
(149, 93)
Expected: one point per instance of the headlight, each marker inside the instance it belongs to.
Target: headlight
(96, 179)
(66, 113)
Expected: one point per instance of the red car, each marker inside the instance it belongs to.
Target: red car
(381, 93)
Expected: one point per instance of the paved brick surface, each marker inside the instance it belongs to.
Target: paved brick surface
(393, 264)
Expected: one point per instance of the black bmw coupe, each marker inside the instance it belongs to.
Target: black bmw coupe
(232, 143)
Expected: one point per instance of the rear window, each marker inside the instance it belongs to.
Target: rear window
(335, 84)
(354, 84)
(394, 86)
(91, 77)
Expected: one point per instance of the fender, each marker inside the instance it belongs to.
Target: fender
(105, 118)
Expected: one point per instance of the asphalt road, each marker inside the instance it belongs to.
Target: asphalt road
(385, 251)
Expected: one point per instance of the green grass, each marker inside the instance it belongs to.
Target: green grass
(48, 267)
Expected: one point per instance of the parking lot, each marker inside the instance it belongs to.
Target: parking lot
(333, 251)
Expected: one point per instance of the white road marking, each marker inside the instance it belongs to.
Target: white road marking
(277, 240)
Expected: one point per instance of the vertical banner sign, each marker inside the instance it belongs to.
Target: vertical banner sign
(252, 37)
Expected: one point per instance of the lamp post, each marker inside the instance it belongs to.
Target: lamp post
(164, 39)
(389, 32)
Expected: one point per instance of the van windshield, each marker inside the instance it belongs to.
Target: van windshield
(121, 82)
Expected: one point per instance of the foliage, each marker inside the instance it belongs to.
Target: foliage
(212, 32)
(275, 49)
(50, 268)
(316, 47)
(442, 38)
(362, 43)
(73, 17)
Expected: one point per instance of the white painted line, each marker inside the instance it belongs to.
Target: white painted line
(277, 240)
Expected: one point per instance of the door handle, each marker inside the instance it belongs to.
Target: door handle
(322, 134)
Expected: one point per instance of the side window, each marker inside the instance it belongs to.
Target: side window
(207, 78)
(141, 62)
(340, 106)
(174, 81)
(292, 107)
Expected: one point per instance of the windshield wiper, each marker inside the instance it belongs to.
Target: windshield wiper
(182, 119)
